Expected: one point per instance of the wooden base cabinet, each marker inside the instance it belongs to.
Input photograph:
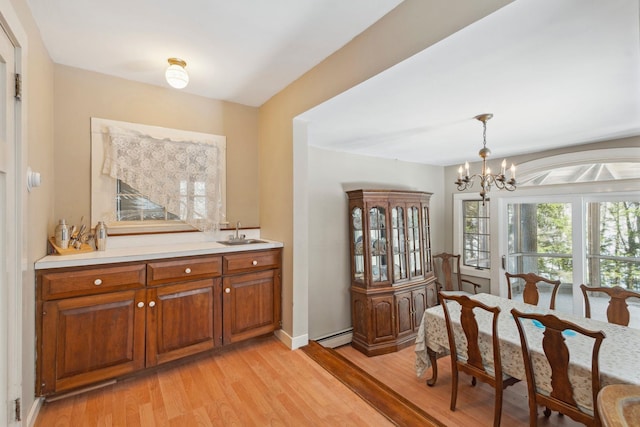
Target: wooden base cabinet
(89, 339)
(100, 323)
(183, 319)
(388, 320)
(251, 297)
(392, 280)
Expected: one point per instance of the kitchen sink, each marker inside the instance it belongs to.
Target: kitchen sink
(240, 242)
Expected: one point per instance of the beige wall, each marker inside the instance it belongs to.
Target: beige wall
(411, 27)
(330, 175)
(80, 95)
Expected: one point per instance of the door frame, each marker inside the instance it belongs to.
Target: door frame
(12, 26)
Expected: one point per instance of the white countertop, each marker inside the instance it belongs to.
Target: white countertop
(138, 248)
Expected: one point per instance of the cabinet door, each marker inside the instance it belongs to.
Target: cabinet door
(90, 339)
(182, 319)
(404, 313)
(382, 319)
(377, 245)
(419, 305)
(250, 305)
(432, 294)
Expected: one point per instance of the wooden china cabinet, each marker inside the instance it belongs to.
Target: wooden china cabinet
(392, 280)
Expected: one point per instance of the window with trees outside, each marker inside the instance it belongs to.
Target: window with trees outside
(475, 235)
(541, 236)
(613, 244)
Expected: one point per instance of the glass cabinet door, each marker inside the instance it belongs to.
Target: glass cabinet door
(413, 239)
(426, 240)
(399, 243)
(378, 242)
(358, 242)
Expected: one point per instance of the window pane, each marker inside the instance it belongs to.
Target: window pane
(613, 244)
(475, 236)
(540, 242)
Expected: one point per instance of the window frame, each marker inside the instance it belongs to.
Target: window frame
(458, 235)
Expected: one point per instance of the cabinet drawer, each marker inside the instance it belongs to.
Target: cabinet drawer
(251, 261)
(183, 269)
(62, 284)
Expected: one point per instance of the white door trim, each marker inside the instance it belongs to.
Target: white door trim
(13, 28)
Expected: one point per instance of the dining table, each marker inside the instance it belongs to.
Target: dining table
(619, 354)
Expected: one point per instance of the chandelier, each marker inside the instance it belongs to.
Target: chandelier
(487, 179)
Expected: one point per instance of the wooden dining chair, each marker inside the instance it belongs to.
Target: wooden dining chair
(561, 398)
(471, 361)
(447, 272)
(617, 309)
(531, 293)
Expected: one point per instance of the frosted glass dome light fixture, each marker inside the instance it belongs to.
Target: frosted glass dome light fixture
(176, 75)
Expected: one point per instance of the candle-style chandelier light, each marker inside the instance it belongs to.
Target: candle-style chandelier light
(487, 179)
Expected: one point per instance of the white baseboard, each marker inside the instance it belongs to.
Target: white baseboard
(337, 339)
(33, 412)
(292, 342)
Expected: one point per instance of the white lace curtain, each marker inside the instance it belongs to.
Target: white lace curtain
(182, 176)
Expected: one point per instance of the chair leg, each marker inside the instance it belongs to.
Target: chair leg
(547, 412)
(473, 381)
(454, 388)
(497, 411)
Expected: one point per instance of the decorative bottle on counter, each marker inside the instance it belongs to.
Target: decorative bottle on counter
(62, 235)
(101, 236)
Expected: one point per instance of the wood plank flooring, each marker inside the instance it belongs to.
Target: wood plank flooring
(475, 404)
(263, 383)
(257, 383)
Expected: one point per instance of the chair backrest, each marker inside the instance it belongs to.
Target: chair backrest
(447, 271)
(473, 365)
(561, 398)
(617, 310)
(530, 294)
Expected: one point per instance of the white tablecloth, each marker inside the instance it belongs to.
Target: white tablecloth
(619, 354)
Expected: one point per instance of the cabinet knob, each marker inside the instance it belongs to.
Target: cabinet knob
(227, 290)
(187, 270)
(97, 282)
(254, 262)
(140, 304)
(152, 303)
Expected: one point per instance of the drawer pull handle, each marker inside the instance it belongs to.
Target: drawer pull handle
(140, 304)
(227, 291)
(187, 270)
(97, 282)
(152, 303)
(254, 262)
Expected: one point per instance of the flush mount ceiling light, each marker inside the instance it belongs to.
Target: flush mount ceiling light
(176, 75)
(487, 179)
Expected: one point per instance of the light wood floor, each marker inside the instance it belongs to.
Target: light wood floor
(474, 406)
(263, 383)
(257, 383)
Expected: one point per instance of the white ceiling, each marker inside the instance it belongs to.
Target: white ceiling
(242, 51)
(553, 72)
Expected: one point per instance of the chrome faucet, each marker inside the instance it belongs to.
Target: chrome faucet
(237, 228)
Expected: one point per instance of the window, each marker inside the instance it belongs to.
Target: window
(131, 205)
(475, 234)
(613, 244)
(138, 188)
(540, 237)
(471, 234)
